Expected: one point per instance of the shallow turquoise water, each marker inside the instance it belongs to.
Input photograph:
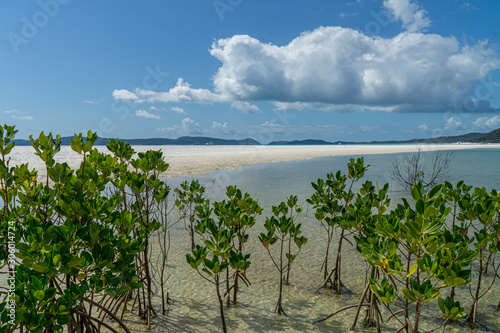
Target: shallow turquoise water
(272, 183)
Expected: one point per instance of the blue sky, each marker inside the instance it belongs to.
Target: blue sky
(271, 70)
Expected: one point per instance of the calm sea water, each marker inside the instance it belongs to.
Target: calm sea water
(271, 182)
(194, 307)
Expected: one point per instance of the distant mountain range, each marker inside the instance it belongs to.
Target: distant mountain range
(185, 140)
(491, 137)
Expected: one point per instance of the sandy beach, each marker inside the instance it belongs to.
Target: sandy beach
(197, 160)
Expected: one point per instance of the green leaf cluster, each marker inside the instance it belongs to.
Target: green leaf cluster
(72, 239)
(416, 246)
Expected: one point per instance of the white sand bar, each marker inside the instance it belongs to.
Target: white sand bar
(197, 160)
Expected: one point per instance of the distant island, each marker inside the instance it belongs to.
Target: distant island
(491, 137)
(184, 140)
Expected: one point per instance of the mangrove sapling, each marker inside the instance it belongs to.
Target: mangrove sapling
(367, 208)
(414, 254)
(485, 208)
(7, 190)
(281, 228)
(46, 147)
(188, 197)
(143, 194)
(10, 216)
(327, 211)
(149, 192)
(212, 259)
(124, 152)
(455, 195)
(332, 202)
(366, 211)
(294, 232)
(69, 245)
(159, 266)
(238, 212)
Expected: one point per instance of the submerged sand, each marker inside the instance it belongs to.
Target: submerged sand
(198, 160)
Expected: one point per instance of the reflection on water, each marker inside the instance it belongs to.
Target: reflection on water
(194, 307)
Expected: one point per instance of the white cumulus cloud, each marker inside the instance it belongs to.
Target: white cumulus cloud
(217, 125)
(221, 129)
(246, 107)
(154, 108)
(487, 122)
(413, 17)
(187, 127)
(125, 95)
(453, 124)
(351, 71)
(92, 101)
(146, 114)
(23, 117)
(182, 92)
(19, 115)
(177, 109)
(270, 124)
(341, 69)
(422, 127)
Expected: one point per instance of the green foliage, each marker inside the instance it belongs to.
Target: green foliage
(385, 291)
(69, 236)
(217, 253)
(46, 147)
(8, 190)
(217, 240)
(282, 227)
(413, 245)
(338, 206)
(142, 194)
(451, 310)
(189, 196)
(238, 213)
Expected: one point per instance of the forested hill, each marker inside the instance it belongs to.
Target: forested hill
(185, 140)
(491, 137)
